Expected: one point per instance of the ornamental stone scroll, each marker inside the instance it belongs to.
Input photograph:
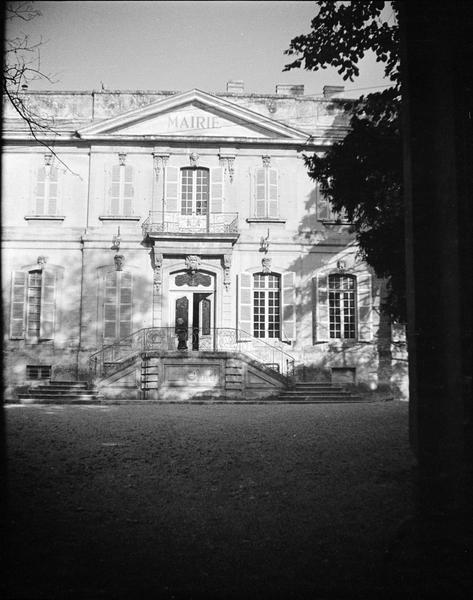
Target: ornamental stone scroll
(160, 161)
(157, 264)
(227, 264)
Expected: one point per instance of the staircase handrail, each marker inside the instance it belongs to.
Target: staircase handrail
(219, 339)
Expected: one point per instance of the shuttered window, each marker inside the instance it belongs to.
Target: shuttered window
(266, 305)
(266, 193)
(46, 193)
(121, 190)
(195, 191)
(33, 305)
(325, 211)
(117, 309)
(33, 310)
(342, 307)
(341, 300)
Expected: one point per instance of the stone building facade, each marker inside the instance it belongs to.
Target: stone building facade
(165, 242)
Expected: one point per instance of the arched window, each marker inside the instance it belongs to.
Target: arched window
(342, 307)
(195, 191)
(266, 305)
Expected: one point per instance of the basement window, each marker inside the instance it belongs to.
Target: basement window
(38, 371)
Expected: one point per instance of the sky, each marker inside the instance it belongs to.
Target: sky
(178, 45)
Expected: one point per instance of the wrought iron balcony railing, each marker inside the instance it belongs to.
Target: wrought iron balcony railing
(112, 358)
(173, 222)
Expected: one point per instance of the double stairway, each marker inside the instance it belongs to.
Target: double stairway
(78, 392)
(61, 392)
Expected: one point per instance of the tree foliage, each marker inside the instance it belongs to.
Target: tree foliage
(362, 174)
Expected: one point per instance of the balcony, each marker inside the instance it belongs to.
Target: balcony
(169, 227)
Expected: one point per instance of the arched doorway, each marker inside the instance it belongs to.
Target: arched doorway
(192, 307)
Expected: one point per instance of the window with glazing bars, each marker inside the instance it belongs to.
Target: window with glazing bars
(266, 305)
(194, 191)
(342, 309)
(33, 305)
(38, 371)
(46, 196)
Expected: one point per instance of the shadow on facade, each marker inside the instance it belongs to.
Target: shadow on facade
(379, 361)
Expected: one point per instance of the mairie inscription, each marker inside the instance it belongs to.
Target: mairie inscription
(177, 122)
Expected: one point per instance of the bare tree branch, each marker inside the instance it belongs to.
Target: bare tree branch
(22, 65)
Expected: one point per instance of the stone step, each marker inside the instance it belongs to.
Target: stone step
(34, 394)
(60, 400)
(59, 389)
(67, 383)
(318, 387)
(317, 392)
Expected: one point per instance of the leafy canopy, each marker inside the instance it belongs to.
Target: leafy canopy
(362, 174)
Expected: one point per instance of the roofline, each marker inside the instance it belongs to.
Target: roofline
(193, 95)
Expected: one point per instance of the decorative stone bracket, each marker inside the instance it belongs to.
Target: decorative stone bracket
(227, 161)
(266, 161)
(227, 264)
(119, 262)
(160, 161)
(266, 263)
(157, 264)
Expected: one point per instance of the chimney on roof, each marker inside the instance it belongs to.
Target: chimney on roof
(235, 86)
(331, 90)
(289, 89)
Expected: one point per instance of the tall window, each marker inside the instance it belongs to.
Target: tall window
(194, 191)
(33, 305)
(266, 192)
(46, 196)
(117, 313)
(266, 305)
(341, 296)
(325, 211)
(122, 191)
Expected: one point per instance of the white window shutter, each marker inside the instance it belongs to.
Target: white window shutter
(363, 289)
(17, 307)
(40, 192)
(322, 311)
(171, 200)
(110, 308)
(216, 190)
(273, 193)
(48, 304)
(125, 291)
(288, 317)
(245, 306)
(115, 191)
(260, 192)
(128, 191)
(324, 208)
(52, 199)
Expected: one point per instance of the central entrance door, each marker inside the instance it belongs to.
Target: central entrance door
(193, 313)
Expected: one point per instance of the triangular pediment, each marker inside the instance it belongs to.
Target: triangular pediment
(192, 114)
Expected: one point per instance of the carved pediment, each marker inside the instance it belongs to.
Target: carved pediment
(192, 114)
